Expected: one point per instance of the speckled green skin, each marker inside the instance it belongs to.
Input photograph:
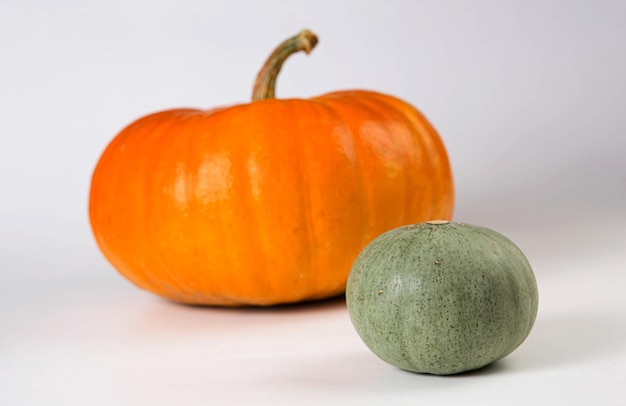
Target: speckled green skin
(442, 298)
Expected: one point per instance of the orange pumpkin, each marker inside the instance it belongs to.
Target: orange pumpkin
(267, 202)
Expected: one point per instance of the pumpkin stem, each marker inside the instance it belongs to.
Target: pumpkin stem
(265, 84)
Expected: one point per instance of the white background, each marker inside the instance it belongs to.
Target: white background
(529, 97)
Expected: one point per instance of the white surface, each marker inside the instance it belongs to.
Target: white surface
(528, 96)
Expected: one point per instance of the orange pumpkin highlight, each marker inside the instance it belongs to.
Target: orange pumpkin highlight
(267, 202)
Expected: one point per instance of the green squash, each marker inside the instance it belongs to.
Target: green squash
(442, 297)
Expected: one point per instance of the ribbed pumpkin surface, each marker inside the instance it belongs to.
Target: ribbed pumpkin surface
(267, 202)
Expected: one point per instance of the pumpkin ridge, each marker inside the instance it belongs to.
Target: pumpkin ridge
(175, 281)
(312, 240)
(207, 288)
(401, 113)
(334, 107)
(181, 285)
(247, 264)
(256, 238)
(262, 132)
(119, 239)
(319, 260)
(382, 120)
(436, 152)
